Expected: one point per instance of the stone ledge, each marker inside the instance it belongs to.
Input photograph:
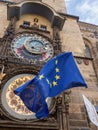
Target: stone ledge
(79, 123)
(77, 116)
(79, 128)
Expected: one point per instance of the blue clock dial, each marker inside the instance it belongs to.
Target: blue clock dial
(32, 47)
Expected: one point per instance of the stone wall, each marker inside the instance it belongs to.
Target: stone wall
(58, 5)
(78, 117)
(90, 33)
(30, 18)
(71, 37)
(3, 18)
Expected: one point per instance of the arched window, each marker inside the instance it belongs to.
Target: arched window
(88, 52)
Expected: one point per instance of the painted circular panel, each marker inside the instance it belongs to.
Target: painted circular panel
(32, 47)
(12, 103)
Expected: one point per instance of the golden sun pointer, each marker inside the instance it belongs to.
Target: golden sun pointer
(41, 77)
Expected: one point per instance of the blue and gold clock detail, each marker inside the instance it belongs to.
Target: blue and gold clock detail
(32, 47)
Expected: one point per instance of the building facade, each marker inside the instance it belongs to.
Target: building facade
(53, 31)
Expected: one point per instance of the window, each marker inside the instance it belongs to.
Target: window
(88, 52)
(26, 24)
(43, 27)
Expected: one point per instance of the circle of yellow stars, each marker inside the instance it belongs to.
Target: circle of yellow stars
(56, 77)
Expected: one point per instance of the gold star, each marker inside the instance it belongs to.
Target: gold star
(56, 62)
(41, 77)
(54, 83)
(57, 77)
(57, 70)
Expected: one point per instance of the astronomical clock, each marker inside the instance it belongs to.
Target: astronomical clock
(27, 53)
(32, 47)
(25, 49)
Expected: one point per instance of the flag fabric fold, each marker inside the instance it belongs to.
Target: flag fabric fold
(32, 98)
(58, 74)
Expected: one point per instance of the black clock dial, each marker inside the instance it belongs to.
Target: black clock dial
(32, 47)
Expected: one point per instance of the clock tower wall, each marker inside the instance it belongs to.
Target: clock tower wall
(3, 18)
(71, 37)
(58, 5)
(34, 20)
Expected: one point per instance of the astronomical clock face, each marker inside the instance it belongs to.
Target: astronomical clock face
(32, 47)
(12, 104)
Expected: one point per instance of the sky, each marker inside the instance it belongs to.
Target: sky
(87, 10)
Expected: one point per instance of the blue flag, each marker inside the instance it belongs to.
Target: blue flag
(58, 74)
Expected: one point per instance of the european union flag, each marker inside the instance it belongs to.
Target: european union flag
(58, 74)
